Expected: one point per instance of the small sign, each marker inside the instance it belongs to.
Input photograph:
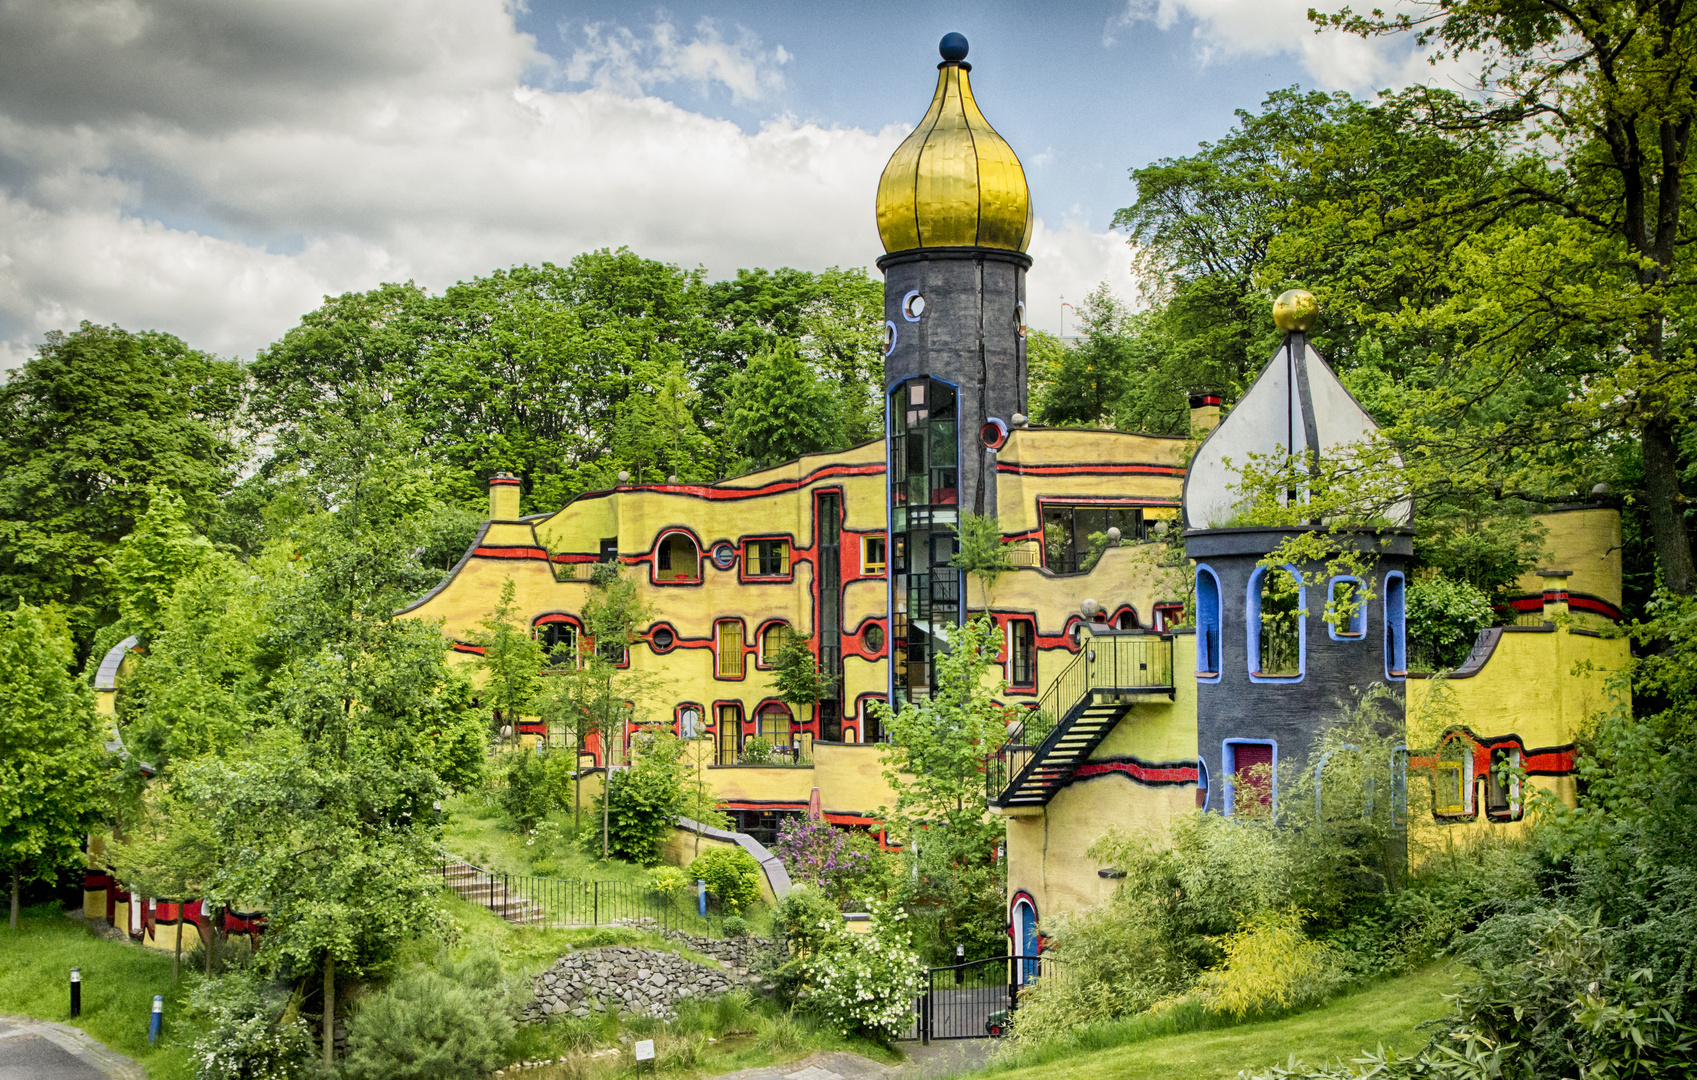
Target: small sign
(645, 1050)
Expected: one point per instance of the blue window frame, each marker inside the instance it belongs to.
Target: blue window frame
(1208, 663)
(1238, 755)
(1298, 640)
(1355, 627)
(1396, 626)
(1203, 791)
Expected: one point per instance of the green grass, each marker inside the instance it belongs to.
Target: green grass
(1387, 1014)
(477, 832)
(119, 981)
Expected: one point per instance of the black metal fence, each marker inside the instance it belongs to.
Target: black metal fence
(975, 1000)
(558, 902)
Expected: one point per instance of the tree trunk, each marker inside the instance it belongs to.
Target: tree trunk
(606, 800)
(329, 1012)
(14, 898)
(211, 936)
(1663, 506)
(177, 957)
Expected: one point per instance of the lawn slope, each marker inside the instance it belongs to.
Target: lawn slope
(1388, 1014)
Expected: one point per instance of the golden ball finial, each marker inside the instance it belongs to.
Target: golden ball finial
(1295, 309)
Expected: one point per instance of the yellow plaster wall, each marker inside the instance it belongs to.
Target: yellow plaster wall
(1587, 542)
(1017, 494)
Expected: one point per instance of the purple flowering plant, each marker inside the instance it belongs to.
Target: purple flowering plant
(819, 854)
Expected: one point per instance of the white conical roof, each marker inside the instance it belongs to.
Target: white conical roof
(1297, 402)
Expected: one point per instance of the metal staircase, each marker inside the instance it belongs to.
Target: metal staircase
(1111, 673)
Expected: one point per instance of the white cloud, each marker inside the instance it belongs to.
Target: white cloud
(1066, 264)
(1227, 29)
(617, 59)
(214, 169)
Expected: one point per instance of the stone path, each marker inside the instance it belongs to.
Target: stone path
(39, 1050)
(940, 1059)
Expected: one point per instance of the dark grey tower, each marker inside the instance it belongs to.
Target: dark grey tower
(1269, 666)
(954, 213)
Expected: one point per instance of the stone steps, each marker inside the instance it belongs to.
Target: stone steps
(487, 890)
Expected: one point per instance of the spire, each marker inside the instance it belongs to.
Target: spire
(954, 182)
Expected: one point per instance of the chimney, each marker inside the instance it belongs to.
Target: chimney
(503, 497)
(1204, 414)
(1555, 593)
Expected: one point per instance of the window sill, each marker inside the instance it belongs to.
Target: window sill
(1207, 674)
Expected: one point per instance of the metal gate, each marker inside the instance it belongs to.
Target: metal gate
(974, 1000)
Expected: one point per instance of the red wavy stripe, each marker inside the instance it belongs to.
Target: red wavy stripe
(1147, 774)
(1089, 470)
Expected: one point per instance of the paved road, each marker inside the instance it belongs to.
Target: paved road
(38, 1050)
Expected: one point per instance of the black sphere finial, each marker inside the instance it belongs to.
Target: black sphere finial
(953, 47)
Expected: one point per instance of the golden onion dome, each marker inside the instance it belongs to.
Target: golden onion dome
(954, 182)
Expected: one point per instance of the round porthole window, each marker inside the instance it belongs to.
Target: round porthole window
(662, 639)
(873, 638)
(913, 306)
(889, 338)
(1019, 318)
(724, 556)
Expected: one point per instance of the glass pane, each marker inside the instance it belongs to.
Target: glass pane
(942, 401)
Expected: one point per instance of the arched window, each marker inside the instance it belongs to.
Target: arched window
(1396, 625)
(1275, 628)
(727, 716)
(772, 638)
(1207, 625)
(1126, 620)
(677, 559)
(1346, 608)
(772, 723)
(558, 639)
(1502, 784)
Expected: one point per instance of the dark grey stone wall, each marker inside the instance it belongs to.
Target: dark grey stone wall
(1291, 714)
(968, 336)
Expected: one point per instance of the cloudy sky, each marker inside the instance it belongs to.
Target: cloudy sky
(213, 168)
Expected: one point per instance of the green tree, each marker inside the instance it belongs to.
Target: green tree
(52, 764)
(333, 847)
(1578, 249)
(796, 674)
(89, 427)
(779, 408)
(145, 566)
(934, 762)
(511, 662)
(983, 554)
(641, 804)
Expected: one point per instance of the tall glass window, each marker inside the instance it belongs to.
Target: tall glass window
(925, 590)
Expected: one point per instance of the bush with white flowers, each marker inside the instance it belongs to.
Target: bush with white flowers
(863, 982)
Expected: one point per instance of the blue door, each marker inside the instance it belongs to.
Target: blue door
(1027, 944)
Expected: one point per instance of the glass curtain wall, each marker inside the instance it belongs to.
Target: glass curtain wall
(925, 590)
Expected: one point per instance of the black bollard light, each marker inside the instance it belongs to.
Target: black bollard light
(960, 959)
(76, 992)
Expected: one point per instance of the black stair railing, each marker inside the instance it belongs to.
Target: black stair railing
(1109, 666)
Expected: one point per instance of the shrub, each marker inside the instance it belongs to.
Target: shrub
(669, 881)
(524, 793)
(1269, 965)
(838, 863)
(643, 801)
(449, 1024)
(736, 926)
(731, 874)
(863, 982)
(1444, 617)
(247, 1038)
(756, 751)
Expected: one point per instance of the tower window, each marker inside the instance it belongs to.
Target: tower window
(1502, 785)
(1275, 626)
(559, 643)
(1251, 776)
(1396, 625)
(727, 645)
(1346, 609)
(1207, 625)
